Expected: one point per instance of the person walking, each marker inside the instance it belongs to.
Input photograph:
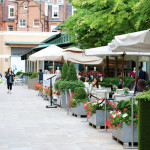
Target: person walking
(40, 75)
(10, 78)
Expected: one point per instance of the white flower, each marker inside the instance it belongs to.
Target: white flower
(111, 112)
(114, 116)
(119, 113)
(125, 115)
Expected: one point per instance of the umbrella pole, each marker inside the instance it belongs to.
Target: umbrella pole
(53, 67)
(122, 69)
(137, 65)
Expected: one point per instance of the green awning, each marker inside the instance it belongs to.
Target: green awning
(23, 43)
(41, 46)
(52, 38)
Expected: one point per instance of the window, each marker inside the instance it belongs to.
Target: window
(11, 11)
(22, 23)
(9, 28)
(25, 7)
(55, 11)
(60, 1)
(53, 28)
(36, 23)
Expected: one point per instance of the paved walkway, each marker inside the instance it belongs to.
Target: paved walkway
(25, 124)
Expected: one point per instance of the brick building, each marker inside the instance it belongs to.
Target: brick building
(33, 15)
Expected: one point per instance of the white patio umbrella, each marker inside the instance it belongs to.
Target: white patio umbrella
(56, 54)
(51, 53)
(132, 42)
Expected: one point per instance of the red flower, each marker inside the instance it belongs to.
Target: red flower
(125, 108)
(136, 116)
(87, 113)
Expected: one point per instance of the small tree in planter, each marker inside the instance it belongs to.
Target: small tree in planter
(77, 102)
(64, 71)
(120, 122)
(72, 74)
(144, 121)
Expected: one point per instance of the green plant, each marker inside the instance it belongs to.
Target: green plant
(19, 73)
(72, 74)
(34, 75)
(144, 122)
(81, 93)
(64, 71)
(66, 85)
(27, 74)
(57, 84)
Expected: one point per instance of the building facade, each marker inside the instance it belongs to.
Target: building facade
(33, 15)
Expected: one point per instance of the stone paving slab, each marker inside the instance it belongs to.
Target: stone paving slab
(25, 124)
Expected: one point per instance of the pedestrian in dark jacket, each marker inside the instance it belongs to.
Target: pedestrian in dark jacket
(10, 78)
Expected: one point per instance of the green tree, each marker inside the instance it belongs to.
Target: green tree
(64, 71)
(96, 22)
(72, 74)
(142, 12)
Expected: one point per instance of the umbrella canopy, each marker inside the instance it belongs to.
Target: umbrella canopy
(80, 58)
(105, 51)
(51, 53)
(132, 42)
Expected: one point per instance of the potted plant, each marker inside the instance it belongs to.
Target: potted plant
(76, 104)
(96, 112)
(144, 123)
(120, 122)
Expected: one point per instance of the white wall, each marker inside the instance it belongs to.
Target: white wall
(17, 64)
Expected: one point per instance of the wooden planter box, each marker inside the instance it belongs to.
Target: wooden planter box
(78, 110)
(123, 134)
(98, 119)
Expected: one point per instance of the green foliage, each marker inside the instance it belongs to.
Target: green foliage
(64, 71)
(66, 85)
(34, 75)
(72, 74)
(81, 93)
(145, 96)
(18, 73)
(96, 22)
(57, 84)
(143, 125)
(27, 74)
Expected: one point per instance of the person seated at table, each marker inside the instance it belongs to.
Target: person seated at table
(141, 86)
(120, 83)
(100, 78)
(133, 84)
(95, 84)
(21, 75)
